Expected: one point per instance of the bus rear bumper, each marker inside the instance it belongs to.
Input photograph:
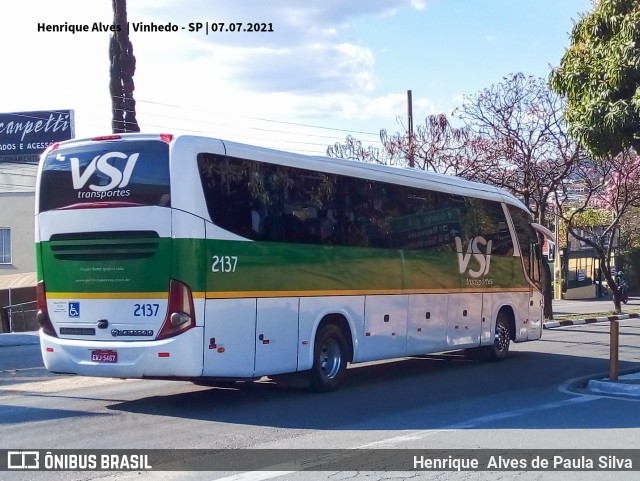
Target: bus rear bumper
(179, 356)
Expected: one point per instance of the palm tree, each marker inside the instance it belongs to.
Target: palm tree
(122, 68)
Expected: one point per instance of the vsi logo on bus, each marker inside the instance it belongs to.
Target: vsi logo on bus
(473, 249)
(117, 179)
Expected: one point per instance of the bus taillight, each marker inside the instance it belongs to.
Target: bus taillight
(52, 147)
(106, 137)
(180, 312)
(42, 316)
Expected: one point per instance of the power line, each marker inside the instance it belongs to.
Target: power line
(251, 128)
(199, 123)
(20, 114)
(297, 124)
(259, 118)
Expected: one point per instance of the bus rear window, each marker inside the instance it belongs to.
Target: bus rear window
(128, 172)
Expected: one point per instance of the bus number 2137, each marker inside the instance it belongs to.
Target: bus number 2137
(224, 263)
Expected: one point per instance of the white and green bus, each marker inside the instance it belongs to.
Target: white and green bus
(184, 257)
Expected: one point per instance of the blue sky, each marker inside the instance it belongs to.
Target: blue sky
(330, 68)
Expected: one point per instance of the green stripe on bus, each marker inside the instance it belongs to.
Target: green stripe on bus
(262, 266)
(236, 267)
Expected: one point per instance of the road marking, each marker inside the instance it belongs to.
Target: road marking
(396, 441)
(62, 384)
(255, 476)
(492, 418)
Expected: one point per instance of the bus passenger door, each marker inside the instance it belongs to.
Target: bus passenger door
(535, 315)
(487, 335)
(536, 301)
(276, 336)
(464, 320)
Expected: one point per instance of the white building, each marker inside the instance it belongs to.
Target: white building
(17, 246)
(17, 204)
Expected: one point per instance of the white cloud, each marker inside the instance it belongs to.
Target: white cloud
(316, 68)
(360, 107)
(419, 4)
(305, 51)
(307, 71)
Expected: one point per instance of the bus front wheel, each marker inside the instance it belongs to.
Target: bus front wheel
(502, 338)
(330, 359)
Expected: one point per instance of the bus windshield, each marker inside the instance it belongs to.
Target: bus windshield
(122, 172)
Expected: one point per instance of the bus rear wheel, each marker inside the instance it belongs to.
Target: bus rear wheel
(329, 359)
(502, 338)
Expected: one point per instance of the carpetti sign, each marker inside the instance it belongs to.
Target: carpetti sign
(25, 135)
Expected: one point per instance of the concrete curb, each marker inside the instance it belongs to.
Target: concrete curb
(589, 320)
(626, 385)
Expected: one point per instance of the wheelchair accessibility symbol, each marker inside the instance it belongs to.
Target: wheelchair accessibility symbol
(74, 309)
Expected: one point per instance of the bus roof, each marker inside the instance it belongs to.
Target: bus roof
(378, 172)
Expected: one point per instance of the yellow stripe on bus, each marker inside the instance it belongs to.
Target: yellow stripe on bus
(250, 294)
(107, 295)
(346, 292)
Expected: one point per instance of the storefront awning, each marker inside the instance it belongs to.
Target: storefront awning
(14, 281)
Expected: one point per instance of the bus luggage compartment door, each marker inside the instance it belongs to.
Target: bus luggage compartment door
(464, 320)
(385, 334)
(229, 337)
(276, 336)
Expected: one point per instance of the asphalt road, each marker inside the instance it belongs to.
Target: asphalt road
(534, 400)
(537, 399)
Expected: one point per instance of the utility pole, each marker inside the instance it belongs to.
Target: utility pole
(557, 262)
(410, 122)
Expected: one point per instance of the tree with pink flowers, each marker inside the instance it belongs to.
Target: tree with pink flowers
(611, 189)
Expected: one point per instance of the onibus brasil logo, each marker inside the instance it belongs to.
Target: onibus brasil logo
(483, 260)
(118, 180)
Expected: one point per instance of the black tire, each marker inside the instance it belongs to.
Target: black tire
(329, 359)
(502, 338)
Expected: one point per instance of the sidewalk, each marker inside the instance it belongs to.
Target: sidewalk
(627, 384)
(562, 307)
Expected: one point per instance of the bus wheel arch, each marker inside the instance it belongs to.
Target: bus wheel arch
(332, 349)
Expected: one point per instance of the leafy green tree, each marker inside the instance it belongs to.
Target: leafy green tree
(600, 77)
(122, 68)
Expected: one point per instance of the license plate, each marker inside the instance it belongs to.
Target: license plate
(104, 356)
